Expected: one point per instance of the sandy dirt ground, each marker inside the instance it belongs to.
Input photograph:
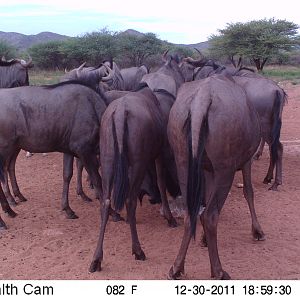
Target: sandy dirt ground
(41, 243)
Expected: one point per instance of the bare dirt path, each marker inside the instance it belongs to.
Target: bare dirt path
(42, 244)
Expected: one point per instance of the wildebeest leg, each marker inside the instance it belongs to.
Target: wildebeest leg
(162, 189)
(5, 207)
(278, 172)
(91, 164)
(178, 267)
(269, 175)
(6, 189)
(13, 179)
(137, 174)
(260, 149)
(79, 188)
(257, 232)
(98, 255)
(105, 209)
(131, 212)
(67, 176)
(208, 191)
(222, 183)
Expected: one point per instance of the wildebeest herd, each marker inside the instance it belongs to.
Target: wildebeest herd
(183, 129)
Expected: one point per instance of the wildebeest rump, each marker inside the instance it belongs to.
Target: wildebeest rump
(213, 132)
(63, 117)
(267, 98)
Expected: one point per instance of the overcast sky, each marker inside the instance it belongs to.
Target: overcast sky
(183, 21)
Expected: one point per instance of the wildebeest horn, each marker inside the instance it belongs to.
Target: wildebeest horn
(196, 62)
(111, 74)
(81, 66)
(79, 69)
(164, 56)
(26, 64)
(199, 52)
(3, 58)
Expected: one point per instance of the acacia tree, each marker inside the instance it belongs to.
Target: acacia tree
(256, 40)
(7, 50)
(47, 55)
(135, 50)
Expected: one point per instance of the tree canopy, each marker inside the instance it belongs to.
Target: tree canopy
(256, 40)
(7, 50)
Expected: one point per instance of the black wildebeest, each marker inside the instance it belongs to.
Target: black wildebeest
(132, 136)
(213, 132)
(268, 99)
(64, 117)
(14, 73)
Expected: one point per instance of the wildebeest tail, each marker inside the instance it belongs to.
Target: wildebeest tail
(120, 181)
(276, 128)
(197, 130)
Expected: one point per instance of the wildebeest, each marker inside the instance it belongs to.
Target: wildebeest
(132, 136)
(268, 99)
(132, 77)
(213, 132)
(14, 73)
(126, 79)
(129, 127)
(91, 75)
(64, 117)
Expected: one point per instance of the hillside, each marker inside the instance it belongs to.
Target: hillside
(23, 41)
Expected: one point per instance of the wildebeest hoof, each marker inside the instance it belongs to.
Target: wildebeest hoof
(3, 227)
(174, 275)
(71, 214)
(95, 266)
(222, 276)
(117, 217)
(267, 180)
(203, 241)
(21, 198)
(172, 223)
(12, 202)
(140, 256)
(258, 235)
(274, 187)
(10, 213)
(225, 276)
(85, 198)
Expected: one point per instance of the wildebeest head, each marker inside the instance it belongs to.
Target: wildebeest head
(14, 72)
(188, 66)
(115, 82)
(89, 75)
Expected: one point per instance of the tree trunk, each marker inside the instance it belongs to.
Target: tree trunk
(260, 64)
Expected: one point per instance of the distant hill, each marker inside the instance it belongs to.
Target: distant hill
(200, 46)
(23, 41)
